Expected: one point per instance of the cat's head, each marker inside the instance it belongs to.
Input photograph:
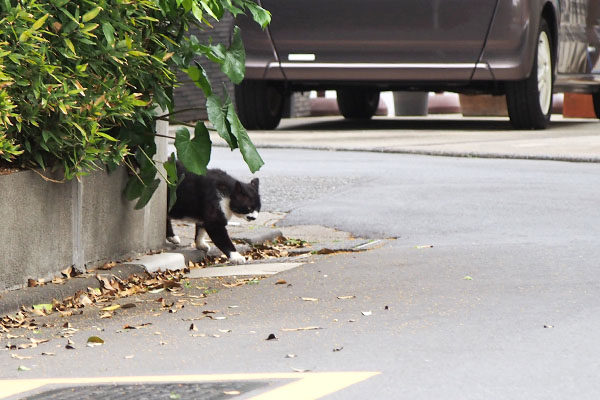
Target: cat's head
(245, 200)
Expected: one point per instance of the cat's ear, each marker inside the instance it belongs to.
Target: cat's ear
(238, 187)
(254, 182)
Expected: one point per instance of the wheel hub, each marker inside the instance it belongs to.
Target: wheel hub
(544, 72)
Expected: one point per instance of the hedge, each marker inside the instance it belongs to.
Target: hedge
(81, 82)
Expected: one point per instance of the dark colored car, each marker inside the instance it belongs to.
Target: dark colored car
(526, 49)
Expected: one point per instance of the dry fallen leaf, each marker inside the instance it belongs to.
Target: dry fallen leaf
(68, 272)
(307, 328)
(45, 353)
(309, 299)
(290, 356)
(232, 392)
(112, 308)
(140, 326)
(366, 313)
(281, 282)
(32, 283)
(300, 370)
(271, 337)
(85, 300)
(346, 297)
(107, 265)
(193, 328)
(18, 357)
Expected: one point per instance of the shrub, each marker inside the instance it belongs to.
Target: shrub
(81, 81)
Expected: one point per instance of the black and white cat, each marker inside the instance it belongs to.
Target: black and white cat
(210, 201)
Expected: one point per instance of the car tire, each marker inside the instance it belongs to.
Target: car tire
(529, 101)
(357, 102)
(259, 104)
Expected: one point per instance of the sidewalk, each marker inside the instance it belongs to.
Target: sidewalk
(576, 140)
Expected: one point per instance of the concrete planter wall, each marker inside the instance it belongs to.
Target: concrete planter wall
(46, 227)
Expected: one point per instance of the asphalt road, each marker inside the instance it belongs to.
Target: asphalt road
(486, 287)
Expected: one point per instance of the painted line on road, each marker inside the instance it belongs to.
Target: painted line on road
(310, 385)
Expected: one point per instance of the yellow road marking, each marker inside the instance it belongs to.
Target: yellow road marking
(312, 385)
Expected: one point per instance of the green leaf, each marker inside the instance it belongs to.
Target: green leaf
(173, 180)
(147, 193)
(195, 153)
(40, 22)
(90, 15)
(197, 12)
(198, 75)
(23, 368)
(259, 14)
(251, 156)
(70, 45)
(234, 65)
(134, 188)
(95, 340)
(109, 33)
(106, 136)
(217, 117)
(45, 307)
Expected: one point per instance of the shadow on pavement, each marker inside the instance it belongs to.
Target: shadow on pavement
(341, 124)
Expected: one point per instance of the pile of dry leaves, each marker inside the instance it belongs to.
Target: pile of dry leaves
(111, 287)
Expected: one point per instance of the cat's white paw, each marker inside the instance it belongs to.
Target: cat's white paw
(202, 245)
(174, 239)
(237, 258)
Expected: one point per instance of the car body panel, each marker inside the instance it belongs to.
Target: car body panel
(461, 44)
(414, 36)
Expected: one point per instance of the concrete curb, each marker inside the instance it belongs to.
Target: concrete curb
(436, 153)
(258, 236)
(11, 301)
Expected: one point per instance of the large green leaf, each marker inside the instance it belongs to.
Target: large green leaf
(198, 75)
(147, 193)
(234, 64)
(194, 153)
(259, 14)
(251, 156)
(218, 117)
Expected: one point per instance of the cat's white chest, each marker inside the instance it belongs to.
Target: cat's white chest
(225, 207)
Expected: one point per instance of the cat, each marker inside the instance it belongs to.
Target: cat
(210, 201)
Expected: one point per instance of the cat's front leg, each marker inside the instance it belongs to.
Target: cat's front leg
(201, 238)
(220, 237)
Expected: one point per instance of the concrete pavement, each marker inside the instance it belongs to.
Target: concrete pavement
(566, 139)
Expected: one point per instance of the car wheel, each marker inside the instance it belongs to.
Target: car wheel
(259, 104)
(358, 103)
(529, 101)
